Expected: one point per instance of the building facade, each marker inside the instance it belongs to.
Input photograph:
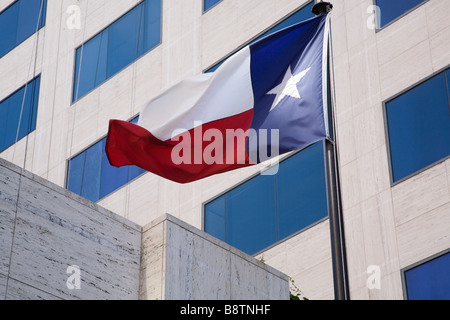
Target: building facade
(69, 66)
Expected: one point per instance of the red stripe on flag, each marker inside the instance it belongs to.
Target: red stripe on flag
(130, 144)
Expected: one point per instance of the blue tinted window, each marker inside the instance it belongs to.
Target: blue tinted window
(300, 188)
(19, 21)
(9, 119)
(251, 215)
(207, 4)
(419, 127)
(267, 209)
(429, 281)
(215, 218)
(10, 114)
(126, 40)
(75, 176)
(8, 28)
(92, 177)
(391, 10)
(152, 19)
(113, 49)
(93, 56)
(92, 170)
(29, 113)
(447, 73)
(29, 18)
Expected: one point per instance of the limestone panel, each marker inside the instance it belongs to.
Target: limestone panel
(420, 194)
(3, 283)
(180, 262)
(152, 262)
(9, 189)
(195, 268)
(55, 229)
(424, 236)
(21, 291)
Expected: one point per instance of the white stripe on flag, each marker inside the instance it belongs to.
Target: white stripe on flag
(203, 98)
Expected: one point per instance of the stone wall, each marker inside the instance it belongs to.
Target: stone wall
(57, 245)
(45, 230)
(180, 262)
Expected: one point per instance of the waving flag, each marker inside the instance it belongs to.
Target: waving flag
(267, 99)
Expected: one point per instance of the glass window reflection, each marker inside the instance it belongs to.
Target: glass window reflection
(268, 209)
(10, 114)
(391, 10)
(300, 185)
(251, 215)
(19, 21)
(419, 127)
(430, 280)
(208, 4)
(92, 56)
(215, 218)
(116, 47)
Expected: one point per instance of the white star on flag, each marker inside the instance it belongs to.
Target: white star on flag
(288, 87)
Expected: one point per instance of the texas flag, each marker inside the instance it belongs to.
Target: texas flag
(267, 99)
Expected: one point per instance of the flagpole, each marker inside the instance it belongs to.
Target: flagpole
(338, 252)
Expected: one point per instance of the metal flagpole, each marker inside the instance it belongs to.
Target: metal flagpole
(338, 252)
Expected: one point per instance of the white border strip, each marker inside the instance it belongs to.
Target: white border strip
(326, 39)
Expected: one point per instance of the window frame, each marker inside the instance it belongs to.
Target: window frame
(42, 23)
(67, 170)
(379, 28)
(386, 129)
(207, 10)
(74, 67)
(417, 264)
(268, 168)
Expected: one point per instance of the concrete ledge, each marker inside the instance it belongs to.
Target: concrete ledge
(66, 193)
(181, 262)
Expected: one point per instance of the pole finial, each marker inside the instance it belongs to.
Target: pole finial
(321, 7)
